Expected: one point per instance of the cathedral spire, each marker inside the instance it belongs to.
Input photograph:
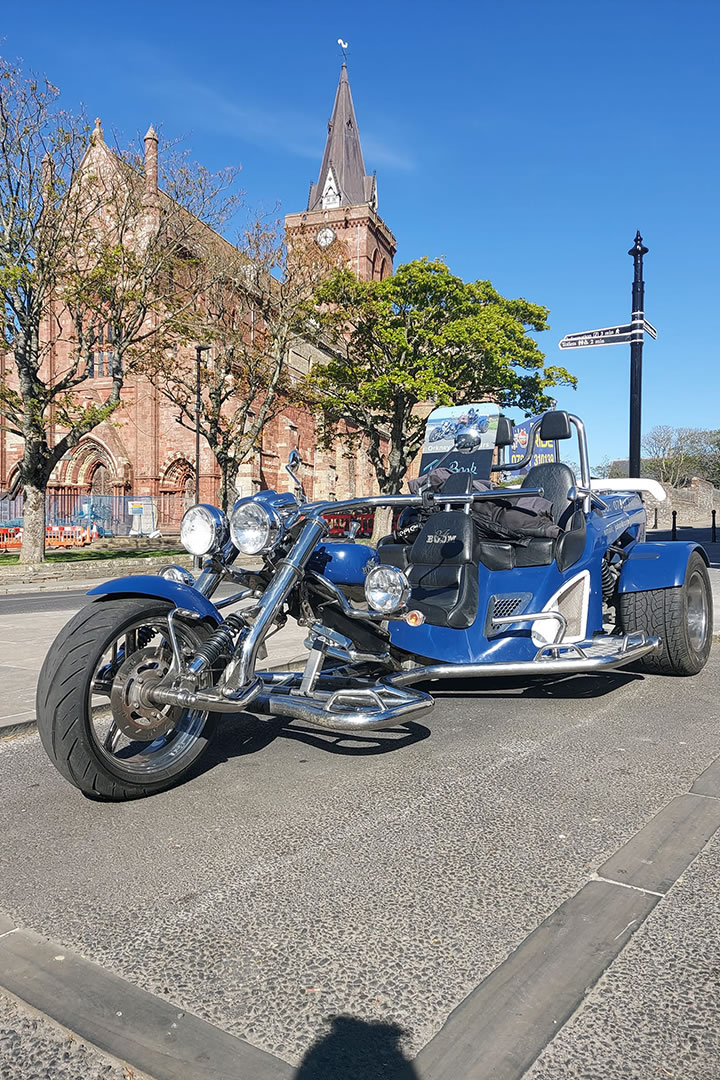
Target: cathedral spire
(342, 180)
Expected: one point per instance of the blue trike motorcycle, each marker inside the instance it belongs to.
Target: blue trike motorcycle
(132, 687)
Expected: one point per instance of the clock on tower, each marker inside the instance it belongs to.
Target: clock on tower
(325, 237)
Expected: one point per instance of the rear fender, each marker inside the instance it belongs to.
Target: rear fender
(159, 588)
(656, 565)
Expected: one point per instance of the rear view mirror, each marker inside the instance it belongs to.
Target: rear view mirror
(293, 459)
(555, 425)
(504, 434)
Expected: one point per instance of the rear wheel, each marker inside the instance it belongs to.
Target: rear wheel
(681, 617)
(90, 721)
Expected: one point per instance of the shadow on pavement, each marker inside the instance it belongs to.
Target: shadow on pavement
(561, 687)
(245, 733)
(357, 1050)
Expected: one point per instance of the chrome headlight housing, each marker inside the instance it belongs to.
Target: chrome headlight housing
(257, 523)
(204, 529)
(252, 529)
(386, 589)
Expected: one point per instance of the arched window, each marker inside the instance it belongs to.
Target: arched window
(373, 264)
(383, 269)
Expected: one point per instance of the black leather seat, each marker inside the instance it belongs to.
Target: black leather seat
(398, 555)
(443, 570)
(555, 479)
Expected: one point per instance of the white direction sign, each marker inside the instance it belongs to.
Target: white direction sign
(649, 328)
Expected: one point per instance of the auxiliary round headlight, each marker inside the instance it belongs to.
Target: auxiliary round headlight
(177, 573)
(252, 528)
(203, 529)
(386, 589)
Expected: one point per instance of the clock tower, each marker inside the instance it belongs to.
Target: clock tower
(342, 206)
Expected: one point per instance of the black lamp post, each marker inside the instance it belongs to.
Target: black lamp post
(199, 350)
(636, 348)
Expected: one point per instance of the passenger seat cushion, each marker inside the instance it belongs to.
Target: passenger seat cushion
(394, 555)
(571, 544)
(555, 479)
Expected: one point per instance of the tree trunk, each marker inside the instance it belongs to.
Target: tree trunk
(383, 523)
(33, 545)
(228, 476)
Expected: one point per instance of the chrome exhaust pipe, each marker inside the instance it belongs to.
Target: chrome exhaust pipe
(184, 698)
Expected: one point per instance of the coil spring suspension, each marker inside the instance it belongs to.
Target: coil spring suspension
(220, 641)
(609, 577)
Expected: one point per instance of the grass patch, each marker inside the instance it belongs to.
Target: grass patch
(94, 556)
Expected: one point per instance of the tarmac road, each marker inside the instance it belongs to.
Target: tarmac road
(301, 876)
(27, 602)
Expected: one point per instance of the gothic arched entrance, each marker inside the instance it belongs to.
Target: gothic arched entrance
(177, 492)
(100, 482)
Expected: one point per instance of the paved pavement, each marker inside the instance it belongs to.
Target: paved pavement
(332, 900)
(381, 879)
(29, 622)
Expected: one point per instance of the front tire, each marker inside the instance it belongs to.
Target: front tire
(681, 617)
(105, 643)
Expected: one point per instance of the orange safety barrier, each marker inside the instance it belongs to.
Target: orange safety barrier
(56, 536)
(11, 538)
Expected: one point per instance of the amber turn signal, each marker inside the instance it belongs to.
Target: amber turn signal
(414, 618)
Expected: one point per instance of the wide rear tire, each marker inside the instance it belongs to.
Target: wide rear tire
(74, 715)
(681, 617)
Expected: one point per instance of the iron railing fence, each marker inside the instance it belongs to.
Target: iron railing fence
(103, 515)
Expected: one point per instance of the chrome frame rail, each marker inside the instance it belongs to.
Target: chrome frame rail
(327, 704)
(630, 647)
(364, 708)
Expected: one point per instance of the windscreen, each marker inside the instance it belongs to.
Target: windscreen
(440, 430)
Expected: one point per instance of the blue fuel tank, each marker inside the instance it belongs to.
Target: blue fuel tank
(343, 563)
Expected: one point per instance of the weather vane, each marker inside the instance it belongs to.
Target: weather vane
(343, 45)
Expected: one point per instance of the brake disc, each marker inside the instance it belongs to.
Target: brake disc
(132, 712)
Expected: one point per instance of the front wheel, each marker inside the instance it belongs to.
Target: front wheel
(91, 726)
(681, 617)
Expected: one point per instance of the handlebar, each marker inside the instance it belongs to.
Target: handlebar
(318, 509)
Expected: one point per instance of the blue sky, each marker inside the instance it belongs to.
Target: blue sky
(525, 142)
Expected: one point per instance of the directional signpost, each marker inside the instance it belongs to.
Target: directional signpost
(630, 334)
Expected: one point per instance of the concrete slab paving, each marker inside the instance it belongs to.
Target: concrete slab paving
(654, 1014)
(658, 854)
(500, 1027)
(304, 875)
(149, 1033)
(31, 1048)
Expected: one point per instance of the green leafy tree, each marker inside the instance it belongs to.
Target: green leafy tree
(91, 256)
(422, 335)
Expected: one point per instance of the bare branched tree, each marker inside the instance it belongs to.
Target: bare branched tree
(675, 454)
(255, 318)
(91, 251)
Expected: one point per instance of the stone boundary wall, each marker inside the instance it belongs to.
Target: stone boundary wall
(100, 569)
(694, 504)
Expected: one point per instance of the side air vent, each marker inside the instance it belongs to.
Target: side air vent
(572, 602)
(503, 605)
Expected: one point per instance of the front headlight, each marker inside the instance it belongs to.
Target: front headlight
(252, 528)
(386, 589)
(203, 529)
